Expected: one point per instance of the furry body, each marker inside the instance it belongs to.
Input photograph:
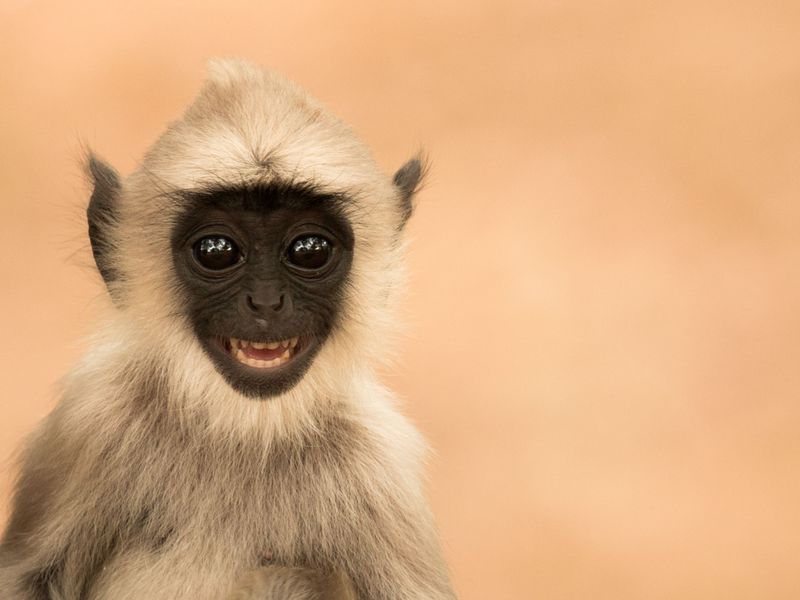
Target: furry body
(153, 478)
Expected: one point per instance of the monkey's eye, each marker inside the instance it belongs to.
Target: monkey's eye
(217, 253)
(309, 252)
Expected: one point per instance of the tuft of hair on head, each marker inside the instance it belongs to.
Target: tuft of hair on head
(227, 71)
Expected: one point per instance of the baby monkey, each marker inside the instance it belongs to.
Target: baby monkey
(226, 436)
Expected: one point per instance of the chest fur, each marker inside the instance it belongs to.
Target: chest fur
(290, 501)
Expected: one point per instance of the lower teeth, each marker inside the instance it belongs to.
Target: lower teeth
(239, 355)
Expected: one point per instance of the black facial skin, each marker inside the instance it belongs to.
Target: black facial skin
(262, 264)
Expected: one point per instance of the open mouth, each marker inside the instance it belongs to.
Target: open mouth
(262, 355)
(261, 368)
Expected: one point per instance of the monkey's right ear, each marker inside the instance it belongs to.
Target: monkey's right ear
(102, 214)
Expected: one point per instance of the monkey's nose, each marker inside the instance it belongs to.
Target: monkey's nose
(264, 304)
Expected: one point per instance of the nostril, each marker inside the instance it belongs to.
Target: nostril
(251, 304)
(277, 306)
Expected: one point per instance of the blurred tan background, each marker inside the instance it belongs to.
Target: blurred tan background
(604, 314)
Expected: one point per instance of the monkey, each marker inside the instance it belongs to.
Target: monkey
(225, 435)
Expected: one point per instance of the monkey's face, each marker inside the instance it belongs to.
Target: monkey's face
(261, 273)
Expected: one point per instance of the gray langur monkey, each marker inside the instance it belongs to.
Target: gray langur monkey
(225, 436)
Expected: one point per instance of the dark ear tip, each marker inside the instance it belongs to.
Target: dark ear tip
(408, 180)
(410, 176)
(103, 175)
(408, 173)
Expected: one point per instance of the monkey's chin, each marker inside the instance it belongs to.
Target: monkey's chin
(260, 369)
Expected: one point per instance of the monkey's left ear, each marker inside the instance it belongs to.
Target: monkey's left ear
(408, 180)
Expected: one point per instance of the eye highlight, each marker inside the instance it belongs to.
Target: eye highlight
(309, 252)
(216, 252)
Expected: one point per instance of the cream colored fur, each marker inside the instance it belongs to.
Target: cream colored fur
(246, 117)
(153, 478)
